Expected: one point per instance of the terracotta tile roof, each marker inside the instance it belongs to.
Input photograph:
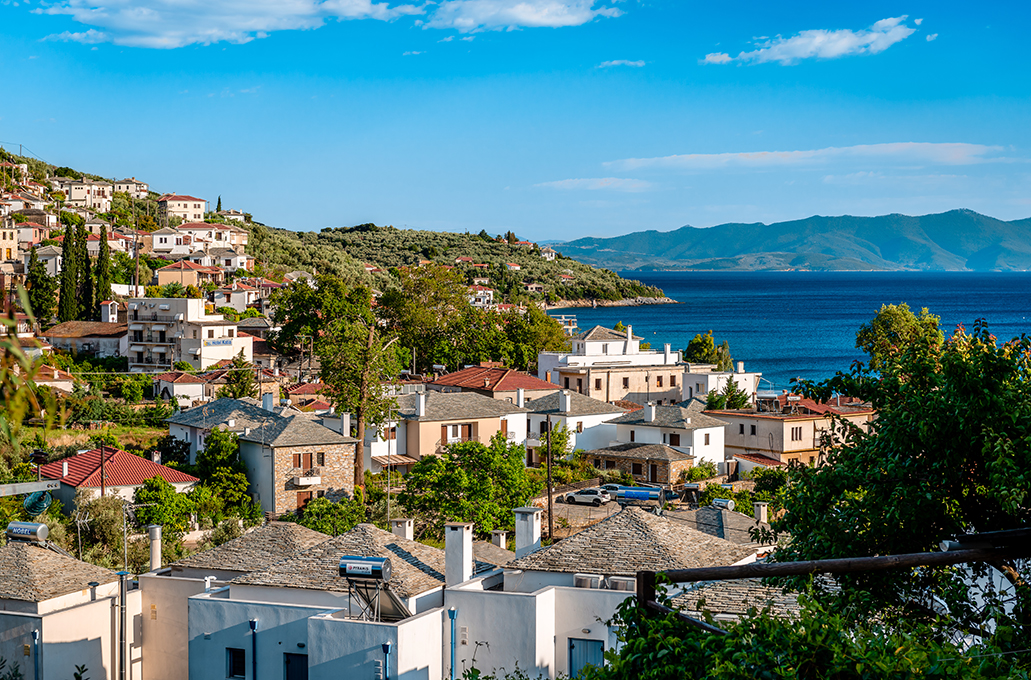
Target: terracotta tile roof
(122, 469)
(633, 540)
(178, 197)
(416, 567)
(31, 573)
(479, 289)
(87, 329)
(255, 550)
(757, 458)
(179, 378)
(492, 378)
(186, 265)
(306, 388)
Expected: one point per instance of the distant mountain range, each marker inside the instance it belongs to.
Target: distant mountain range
(959, 240)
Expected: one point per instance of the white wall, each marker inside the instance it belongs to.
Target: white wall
(258, 461)
(597, 432)
(165, 624)
(353, 649)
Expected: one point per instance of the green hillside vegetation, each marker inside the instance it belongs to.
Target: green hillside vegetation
(958, 240)
(344, 252)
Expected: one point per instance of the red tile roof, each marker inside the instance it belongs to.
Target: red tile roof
(121, 468)
(179, 378)
(477, 289)
(756, 458)
(178, 197)
(493, 379)
(306, 388)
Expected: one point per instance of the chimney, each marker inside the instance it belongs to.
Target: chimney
(275, 371)
(64, 468)
(565, 402)
(420, 404)
(499, 538)
(345, 424)
(155, 457)
(649, 412)
(403, 527)
(761, 512)
(267, 402)
(629, 332)
(740, 367)
(208, 580)
(458, 552)
(154, 530)
(666, 354)
(528, 530)
(520, 397)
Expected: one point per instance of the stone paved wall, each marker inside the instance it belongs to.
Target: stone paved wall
(337, 478)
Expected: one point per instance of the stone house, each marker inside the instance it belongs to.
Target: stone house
(293, 460)
(684, 428)
(653, 463)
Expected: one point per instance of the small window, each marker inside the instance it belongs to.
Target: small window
(753, 430)
(706, 438)
(597, 383)
(320, 457)
(610, 465)
(567, 383)
(635, 469)
(658, 381)
(236, 663)
(597, 462)
(320, 494)
(579, 426)
(741, 428)
(673, 381)
(297, 460)
(211, 332)
(632, 436)
(812, 460)
(626, 383)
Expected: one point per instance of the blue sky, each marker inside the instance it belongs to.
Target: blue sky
(554, 118)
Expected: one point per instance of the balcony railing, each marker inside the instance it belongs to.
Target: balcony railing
(149, 316)
(309, 477)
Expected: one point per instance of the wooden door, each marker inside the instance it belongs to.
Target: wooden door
(443, 434)
(306, 461)
(467, 432)
(504, 427)
(653, 473)
(302, 498)
(674, 440)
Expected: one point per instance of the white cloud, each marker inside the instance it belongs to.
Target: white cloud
(599, 184)
(467, 16)
(957, 153)
(468, 38)
(86, 37)
(447, 39)
(822, 44)
(621, 62)
(170, 24)
(918, 21)
(412, 53)
(931, 37)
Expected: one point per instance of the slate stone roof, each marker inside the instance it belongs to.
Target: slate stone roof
(258, 549)
(640, 450)
(600, 333)
(31, 573)
(296, 430)
(579, 405)
(254, 322)
(484, 551)
(416, 568)
(734, 597)
(630, 541)
(246, 413)
(670, 416)
(726, 524)
(455, 406)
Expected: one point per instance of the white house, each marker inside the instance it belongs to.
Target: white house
(548, 253)
(685, 429)
(235, 415)
(49, 256)
(182, 388)
(481, 296)
(587, 420)
(133, 187)
(237, 295)
(700, 379)
(187, 208)
(163, 331)
(170, 241)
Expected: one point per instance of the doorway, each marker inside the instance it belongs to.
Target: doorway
(583, 653)
(295, 666)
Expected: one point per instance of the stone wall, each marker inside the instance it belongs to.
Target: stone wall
(337, 474)
(668, 472)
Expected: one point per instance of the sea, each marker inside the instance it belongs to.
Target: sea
(803, 324)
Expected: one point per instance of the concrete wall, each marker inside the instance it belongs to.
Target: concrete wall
(423, 436)
(165, 625)
(353, 649)
(258, 461)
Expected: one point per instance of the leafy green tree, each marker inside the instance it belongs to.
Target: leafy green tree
(132, 389)
(193, 292)
(302, 312)
(470, 482)
(895, 327)
(221, 449)
(170, 509)
(173, 451)
(41, 288)
(240, 381)
(103, 274)
(173, 290)
(226, 531)
(949, 454)
(328, 517)
(68, 308)
(701, 349)
(356, 361)
(230, 485)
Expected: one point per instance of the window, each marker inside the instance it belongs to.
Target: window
(753, 430)
(635, 469)
(673, 381)
(579, 426)
(230, 332)
(597, 383)
(391, 435)
(297, 460)
(706, 438)
(211, 332)
(632, 437)
(741, 428)
(626, 383)
(658, 381)
(597, 462)
(674, 439)
(566, 385)
(796, 434)
(812, 460)
(236, 663)
(320, 458)
(605, 348)
(610, 465)
(320, 494)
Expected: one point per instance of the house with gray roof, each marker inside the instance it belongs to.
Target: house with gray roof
(235, 415)
(686, 429)
(588, 421)
(732, 599)
(257, 549)
(652, 463)
(292, 459)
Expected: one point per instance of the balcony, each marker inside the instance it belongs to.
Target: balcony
(307, 477)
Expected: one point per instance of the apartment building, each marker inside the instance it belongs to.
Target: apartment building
(185, 207)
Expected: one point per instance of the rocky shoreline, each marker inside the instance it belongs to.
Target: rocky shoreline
(625, 302)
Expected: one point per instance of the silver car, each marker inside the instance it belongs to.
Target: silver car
(593, 496)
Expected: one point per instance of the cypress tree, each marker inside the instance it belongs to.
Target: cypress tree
(103, 273)
(85, 274)
(68, 310)
(219, 207)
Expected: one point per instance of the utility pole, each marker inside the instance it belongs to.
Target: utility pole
(103, 475)
(551, 507)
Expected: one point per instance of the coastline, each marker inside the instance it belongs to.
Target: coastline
(625, 302)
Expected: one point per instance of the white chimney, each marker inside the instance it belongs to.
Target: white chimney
(345, 424)
(761, 512)
(740, 367)
(649, 412)
(275, 371)
(499, 538)
(565, 402)
(403, 527)
(458, 552)
(208, 580)
(520, 397)
(420, 404)
(527, 530)
(155, 457)
(64, 468)
(267, 402)
(666, 354)
(154, 530)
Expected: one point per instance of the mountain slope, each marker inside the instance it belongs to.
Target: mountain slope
(956, 240)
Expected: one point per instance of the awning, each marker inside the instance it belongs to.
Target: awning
(136, 327)
(137, 348)
(158, 327)
(195, 350)
(394, 460)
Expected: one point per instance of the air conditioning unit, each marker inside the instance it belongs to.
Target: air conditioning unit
(622, 583)
(588, 580)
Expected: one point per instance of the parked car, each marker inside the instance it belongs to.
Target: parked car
(593, 496)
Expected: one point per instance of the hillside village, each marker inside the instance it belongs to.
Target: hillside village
(232, 469)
